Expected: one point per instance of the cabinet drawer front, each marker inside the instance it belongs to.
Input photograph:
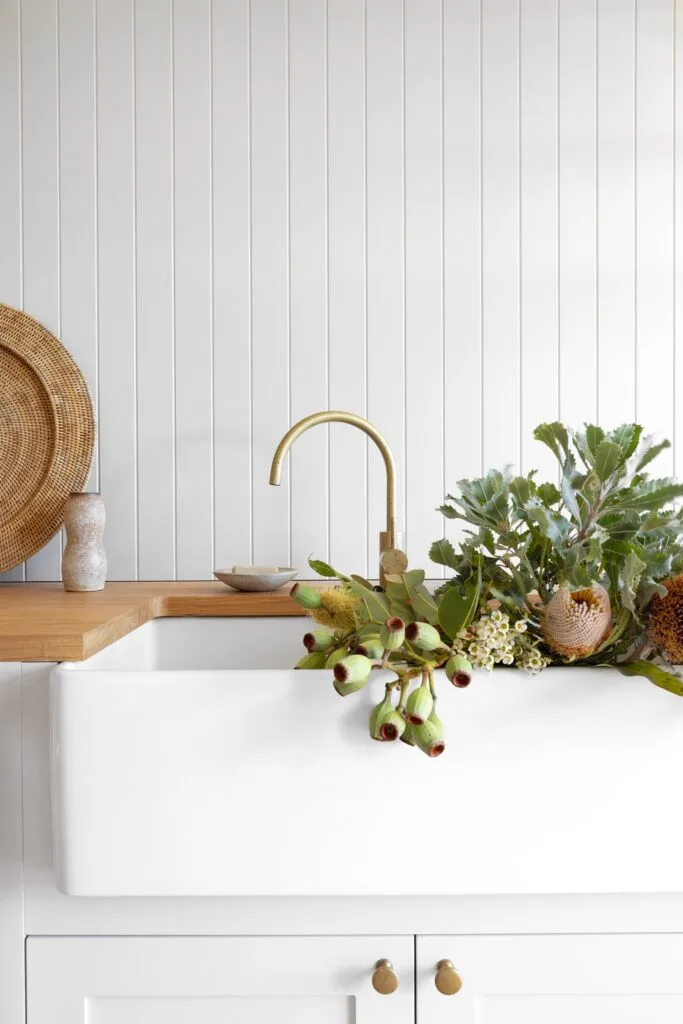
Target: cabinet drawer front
(534, 979)
(212, 980)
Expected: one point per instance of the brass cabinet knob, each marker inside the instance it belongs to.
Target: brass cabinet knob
(384, 978)
(447, 979)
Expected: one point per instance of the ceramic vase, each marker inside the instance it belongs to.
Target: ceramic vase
(84, 562)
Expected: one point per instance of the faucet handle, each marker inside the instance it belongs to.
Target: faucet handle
(393, 561)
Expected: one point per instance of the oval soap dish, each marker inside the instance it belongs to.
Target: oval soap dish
(256, 582)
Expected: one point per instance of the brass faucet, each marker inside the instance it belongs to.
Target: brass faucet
(387, 538)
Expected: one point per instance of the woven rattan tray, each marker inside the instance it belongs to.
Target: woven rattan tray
(47, 435)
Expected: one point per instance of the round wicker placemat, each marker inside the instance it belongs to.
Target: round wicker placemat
(47, 435)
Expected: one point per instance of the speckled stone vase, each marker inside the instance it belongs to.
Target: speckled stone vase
(84, 563)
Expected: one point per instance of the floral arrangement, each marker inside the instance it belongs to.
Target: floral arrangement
(584, 571)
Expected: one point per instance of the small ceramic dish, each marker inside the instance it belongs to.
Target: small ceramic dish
(257, 581)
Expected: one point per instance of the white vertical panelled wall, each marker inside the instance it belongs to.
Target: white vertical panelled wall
(456, 217)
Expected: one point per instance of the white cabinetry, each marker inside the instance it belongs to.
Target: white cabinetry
(135, 980)
(536, 979)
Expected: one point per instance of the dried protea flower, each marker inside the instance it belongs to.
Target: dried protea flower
(392, 633)
(665, 625)
(575, 622)
(424, 636)
(335, 609)
(419, 705)
(459, 670)
(317, 640)
(351, 674)
(429, 736)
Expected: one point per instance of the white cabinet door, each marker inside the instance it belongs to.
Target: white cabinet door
(201, 980)
(553, 979)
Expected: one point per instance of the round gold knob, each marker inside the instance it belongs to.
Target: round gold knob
(384, 978)
(447, 979)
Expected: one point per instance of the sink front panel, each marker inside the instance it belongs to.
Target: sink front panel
(265, 782)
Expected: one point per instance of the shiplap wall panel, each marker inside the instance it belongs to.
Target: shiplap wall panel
(424, 271)
(654, 219)
(40, 205)
(11, 276)
(347, 328)
(270, 274)
(463, 420)
(154, 262)
(677, 375)
(308, 274)
(385, 255)
(539, 299)
(458, 217)
(77, 192)
(500, 231)
(616, 180)
(193, 286)
(116, 321)
(577, 153)
(232, 284)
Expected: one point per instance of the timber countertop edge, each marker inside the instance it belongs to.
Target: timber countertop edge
(42, 622)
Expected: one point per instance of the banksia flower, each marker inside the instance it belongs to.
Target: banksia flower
(419, 705)
(351, 674)
(392, 633)
(307, 597)
(665, 625)
(317, 640)
(429, 736)
(458, 670)
(575, 622)
(371, 647)
(424, 636)
(386, 724)
(335, 609)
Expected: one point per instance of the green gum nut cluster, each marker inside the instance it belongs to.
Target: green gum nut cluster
(386, 724)
(305, 596)
(372, 648)
(392, 634)
(317, 640)
(429, 736)
(424, 636)
(419, 705)
(351, 673)
(458, 670)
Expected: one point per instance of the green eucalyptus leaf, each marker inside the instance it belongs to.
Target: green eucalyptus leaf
(456, 610)
(443, 553)
(594, 437)
(555, 436)
(548, 493)
(375, 604)
(658, 676)
(322, 568)
(362, 580)
(608, 457)
(424, 606)
(649, 452)
(626, 437)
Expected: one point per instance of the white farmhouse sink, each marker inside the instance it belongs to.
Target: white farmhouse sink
(187, 758)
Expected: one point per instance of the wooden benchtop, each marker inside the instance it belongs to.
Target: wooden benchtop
(41, 622)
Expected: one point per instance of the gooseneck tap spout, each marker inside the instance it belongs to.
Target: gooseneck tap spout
(388, 537)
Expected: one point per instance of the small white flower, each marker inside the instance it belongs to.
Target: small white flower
(497, 616)
(508, 659)
(521, 626)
